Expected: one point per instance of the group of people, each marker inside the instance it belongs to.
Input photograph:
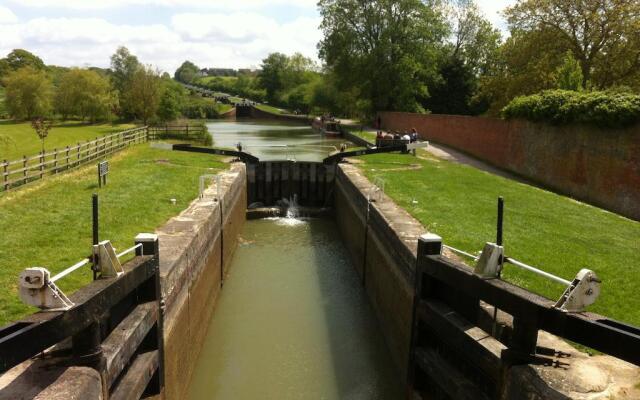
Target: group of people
(411, 137)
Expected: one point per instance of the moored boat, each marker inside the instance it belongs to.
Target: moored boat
(327, 127)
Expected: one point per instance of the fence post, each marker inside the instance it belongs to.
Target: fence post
(67, 157)
(55, 160)
(78, 153)
(42, 164)
(24, 169)
(6, 174)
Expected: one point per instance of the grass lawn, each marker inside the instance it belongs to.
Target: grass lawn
(22, 139)
(270, 109)
(543, 229)
(49, 223)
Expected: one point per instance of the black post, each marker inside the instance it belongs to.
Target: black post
(151, 247)
(96, 238)
(499, 238)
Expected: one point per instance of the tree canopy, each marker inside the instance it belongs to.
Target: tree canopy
(28, 93)
(384, 49)
(187, 72)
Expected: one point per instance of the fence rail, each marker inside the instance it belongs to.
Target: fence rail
(181, 131)
(19, 172)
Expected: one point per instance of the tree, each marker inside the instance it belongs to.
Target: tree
(42, 128)
(144, 92)
(384, 49)
(172, 101)
(18, 59)
(472, 53)
(123, 66)
(569, 74)
(601, 34)
(187, 72)
(28, 93)
(85, 94)
(272, 74)
(475, 40)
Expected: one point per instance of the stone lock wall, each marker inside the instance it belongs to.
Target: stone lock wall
(382, 240)
(598, 166)
(196, 249)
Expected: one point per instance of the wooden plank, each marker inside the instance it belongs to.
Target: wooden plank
(134, 383)
(125, 339)
(467, 340)
(448, 379)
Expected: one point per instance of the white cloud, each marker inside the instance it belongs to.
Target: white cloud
(7, 16)
(211, 4)
(493, 10)
(210, 40)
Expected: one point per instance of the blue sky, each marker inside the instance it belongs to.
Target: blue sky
(221, 33)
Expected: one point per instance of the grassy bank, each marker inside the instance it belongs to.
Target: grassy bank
(552, 232)
(22, 139)
(49, 223)
(270, 109)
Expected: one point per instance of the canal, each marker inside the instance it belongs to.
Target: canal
(293, 321)
(270, 140)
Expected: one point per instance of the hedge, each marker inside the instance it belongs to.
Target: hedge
(604, 109)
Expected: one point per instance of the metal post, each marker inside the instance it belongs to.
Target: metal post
(96, 238)
(499, 235)
(499, 242)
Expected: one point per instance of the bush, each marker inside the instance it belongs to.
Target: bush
(604, 109)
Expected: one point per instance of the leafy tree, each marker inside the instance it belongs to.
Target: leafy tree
(172, 101)
(602, 35)
(28, 93)
(384, 49)
(454, 91)
(85, 94)
(42, 128)
(144, 93)
(472, 53)
(123, 67)
(187, 72)
(18, 59)
(272, 74)
(569, 74)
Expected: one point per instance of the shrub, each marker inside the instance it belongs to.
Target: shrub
(604, 109)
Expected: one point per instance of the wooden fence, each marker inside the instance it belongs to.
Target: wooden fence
(179, 132)
(28, 169)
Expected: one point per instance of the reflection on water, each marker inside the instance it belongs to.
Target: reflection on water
(293, 323)
(273, 141)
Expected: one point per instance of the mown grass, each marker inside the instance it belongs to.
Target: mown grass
(271, 109)
(19, 138)
(49, 223)
(547, 230)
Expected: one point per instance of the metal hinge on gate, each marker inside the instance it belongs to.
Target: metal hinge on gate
(38, 290)
(107, 265)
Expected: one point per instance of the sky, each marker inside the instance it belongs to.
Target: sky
(164, 33)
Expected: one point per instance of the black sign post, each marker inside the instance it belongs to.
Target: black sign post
(103, 170)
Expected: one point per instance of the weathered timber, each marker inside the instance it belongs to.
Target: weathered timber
(125, 339)
(133, 384)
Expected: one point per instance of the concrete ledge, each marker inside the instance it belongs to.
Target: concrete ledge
(39, 380)
(195, 248)
(386, 263)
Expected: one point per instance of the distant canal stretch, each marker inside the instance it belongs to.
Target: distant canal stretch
(273, 141)
(293, 322)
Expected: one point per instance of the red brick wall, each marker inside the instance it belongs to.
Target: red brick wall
(598, 166)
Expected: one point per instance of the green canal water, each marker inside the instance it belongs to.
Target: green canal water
(293, 322)
(273, 141)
